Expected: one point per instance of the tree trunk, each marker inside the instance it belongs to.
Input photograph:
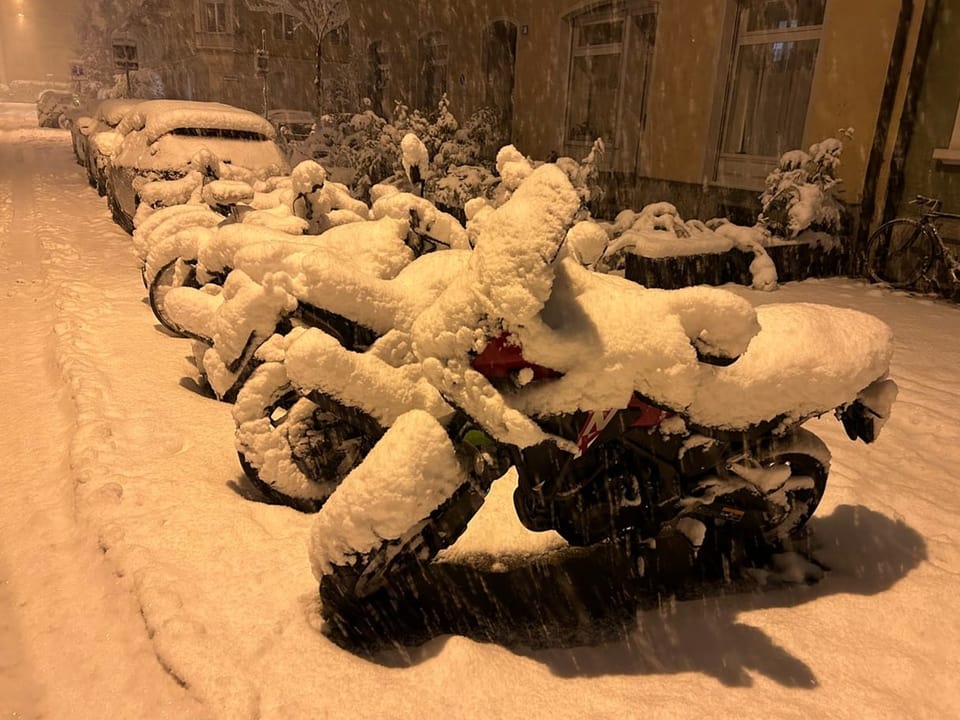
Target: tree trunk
(321, 109)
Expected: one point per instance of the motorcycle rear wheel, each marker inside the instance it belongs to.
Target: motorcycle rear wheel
(176, 273)
(336, 440)
(773, 495)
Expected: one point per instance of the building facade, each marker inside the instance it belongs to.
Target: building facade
(695, 99)
(928, 158)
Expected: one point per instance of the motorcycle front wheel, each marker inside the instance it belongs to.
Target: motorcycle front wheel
(321, 440)
(176, 273)
(372, 584)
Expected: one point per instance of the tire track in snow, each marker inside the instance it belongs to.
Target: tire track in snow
(117, 447)
(80, 638)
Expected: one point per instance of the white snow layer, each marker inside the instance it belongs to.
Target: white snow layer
(397, 485)
(159, 117)
(611, 337)
(219, 589)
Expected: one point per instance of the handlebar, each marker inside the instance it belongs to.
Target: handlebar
(931, 203)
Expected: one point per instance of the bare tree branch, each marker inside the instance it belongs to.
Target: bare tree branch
(319, 17)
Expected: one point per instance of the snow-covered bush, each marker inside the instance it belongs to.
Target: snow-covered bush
(145, 83)
(369, 146)
(585, 174)
(658, 231)
(801, 193)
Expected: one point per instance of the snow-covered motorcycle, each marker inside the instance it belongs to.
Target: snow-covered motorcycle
(274, 282)
(179, 254)
(669, 420)
(323, 393)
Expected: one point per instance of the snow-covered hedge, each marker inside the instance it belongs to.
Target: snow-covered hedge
(801, 192)
(368, 146)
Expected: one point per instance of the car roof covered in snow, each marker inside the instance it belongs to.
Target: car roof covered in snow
(159, 117)
(285, 115)
(53, 93)
(112, 110)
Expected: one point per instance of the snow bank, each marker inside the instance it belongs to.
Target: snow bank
(182, 244)
(381, 304)
(794, 360)
(169, 221)
(507, 282)
(193, 310)
(165, 193)
(316, 361)
(249, 310)
(611, 337)
(227, 192)
(658, 231)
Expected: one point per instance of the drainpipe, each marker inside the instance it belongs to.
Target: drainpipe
(895, 184)
(880, 135)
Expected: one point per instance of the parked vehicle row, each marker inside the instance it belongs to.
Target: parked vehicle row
(126, 144)
(388, 363)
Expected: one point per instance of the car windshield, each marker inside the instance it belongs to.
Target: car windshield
(222, 133)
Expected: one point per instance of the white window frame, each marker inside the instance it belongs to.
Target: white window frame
(950, 155)
(595, 14)
(200, 15)
(741, 170)
(284, 26)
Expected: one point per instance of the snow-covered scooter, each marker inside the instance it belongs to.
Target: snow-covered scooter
(323, 393)
(670, 421)
(177, 253)
(274, 282)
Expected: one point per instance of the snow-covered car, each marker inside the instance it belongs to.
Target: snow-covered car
(291, 124)
(76, 117)
(102, 117)
(52, 106)
(158, 138)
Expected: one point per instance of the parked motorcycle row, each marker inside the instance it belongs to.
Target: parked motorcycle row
(387, 363)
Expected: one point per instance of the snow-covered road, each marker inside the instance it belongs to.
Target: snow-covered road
(140, 578)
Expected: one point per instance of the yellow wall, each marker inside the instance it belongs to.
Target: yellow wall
(687, 83)
(541, 80)
(848, 85)
(682, 90)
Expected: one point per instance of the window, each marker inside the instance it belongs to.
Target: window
(283, 26)
(951, 155)
(336, 44)
(432, 62)
(768, 91)
(214, 23)
(377, 77)
(610, 60)
(213, 16)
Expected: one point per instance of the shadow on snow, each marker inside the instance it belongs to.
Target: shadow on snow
(589, 613)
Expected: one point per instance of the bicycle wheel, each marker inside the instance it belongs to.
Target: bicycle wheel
(899, 252)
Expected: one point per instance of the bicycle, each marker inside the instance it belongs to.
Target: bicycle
(909, 253)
